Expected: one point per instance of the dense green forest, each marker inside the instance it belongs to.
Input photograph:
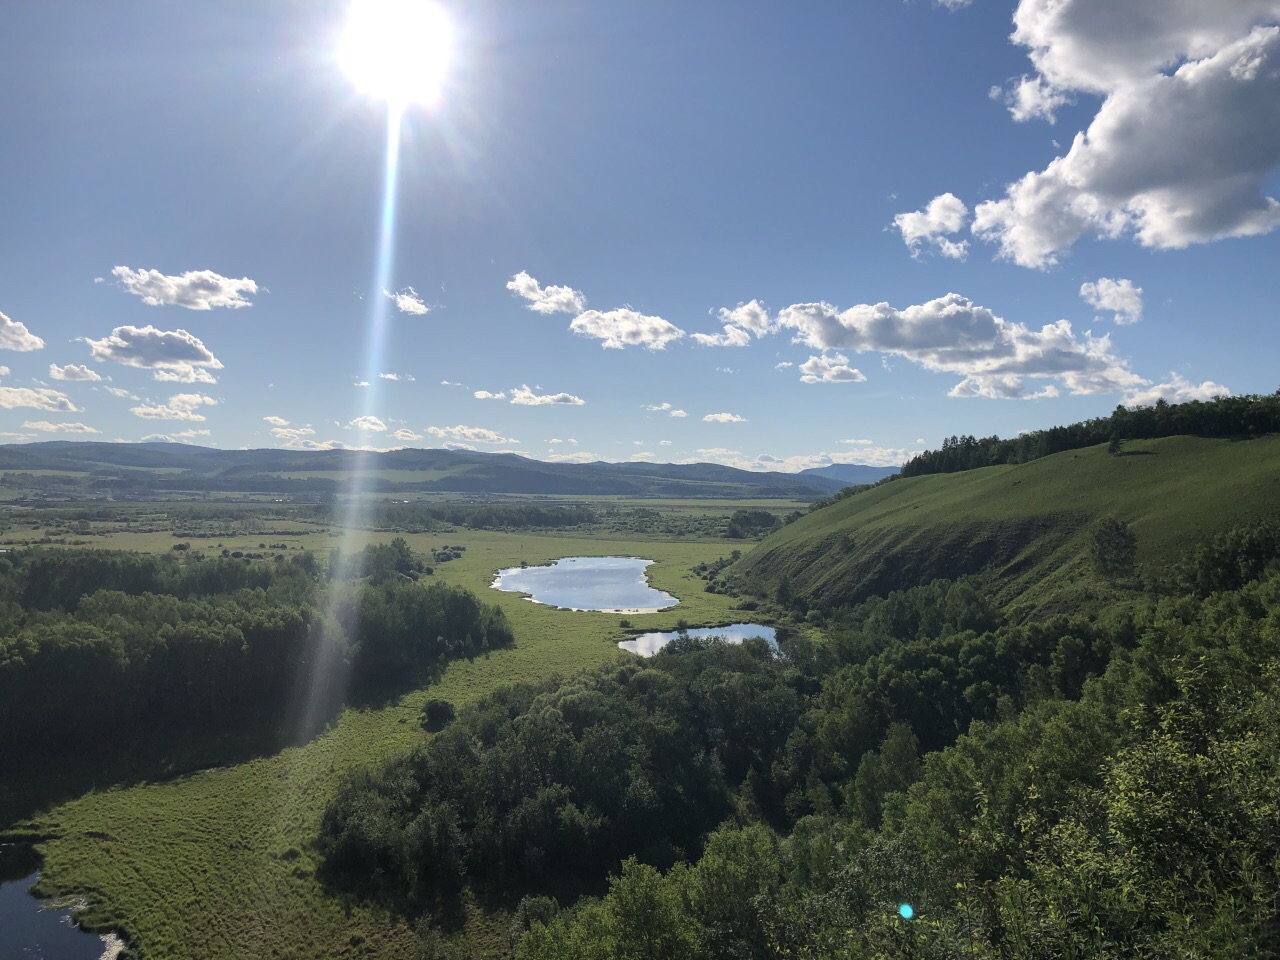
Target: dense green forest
(1231, 417)
(120, 643)
(1096, 784)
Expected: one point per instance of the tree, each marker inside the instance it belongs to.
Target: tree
(1113, 548)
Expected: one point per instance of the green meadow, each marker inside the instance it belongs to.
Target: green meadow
(218, 862)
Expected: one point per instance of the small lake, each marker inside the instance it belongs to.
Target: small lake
(609, 584)
(647, 644)
(27, 930)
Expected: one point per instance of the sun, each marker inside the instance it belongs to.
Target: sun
(397, 50)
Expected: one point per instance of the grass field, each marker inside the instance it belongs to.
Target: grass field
(1026, 525)
(218, 863)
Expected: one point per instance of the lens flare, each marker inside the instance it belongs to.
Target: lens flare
(906, 911)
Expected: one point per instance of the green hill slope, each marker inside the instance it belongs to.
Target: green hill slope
(1024, 526)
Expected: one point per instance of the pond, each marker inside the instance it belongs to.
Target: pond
(647, 644)
(28, 930)
(609, 584)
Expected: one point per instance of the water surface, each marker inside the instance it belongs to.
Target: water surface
(32, 933)
(647, 644)
(610, 584)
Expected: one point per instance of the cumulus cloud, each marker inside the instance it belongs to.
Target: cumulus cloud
(623, 327)
(666, 408)
(920, 229)
(48, 427)
(195, 289)
(276, 421)
(469, 434)
(407, 301)
(833, 368)
(292, 433)
(42, 399)
(486, 395)
(724, 418)
(783, 365)
(739, 324)
(72, 371)
(1121, 297)
(1000, 387)
(405, 435)
(1031, 98)
(183, 373)
(368, 423)
(546, 299)
(953, 335)
(664, 443)
(152, 349)
(1178, 389)
(449, 383)
(569, 440)
(16, 336)
(1173, 158)
(527, 398)
(361, 383)
(120, 392)
(405, 377)
(181, 406)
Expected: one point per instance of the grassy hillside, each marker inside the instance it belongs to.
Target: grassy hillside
(1024, 525)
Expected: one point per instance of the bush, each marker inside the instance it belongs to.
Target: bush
(437, 714)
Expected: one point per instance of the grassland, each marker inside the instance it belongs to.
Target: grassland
(218, 864)
(1026, 525)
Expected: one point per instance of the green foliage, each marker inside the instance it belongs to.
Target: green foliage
(1113, 548)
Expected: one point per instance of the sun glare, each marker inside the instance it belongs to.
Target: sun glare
(397, 50)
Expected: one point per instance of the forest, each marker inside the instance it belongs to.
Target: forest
(1228, 417)
(122, 643)
(1099, 783)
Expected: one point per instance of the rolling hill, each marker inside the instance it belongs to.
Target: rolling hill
(1022, 526)
(158, 467)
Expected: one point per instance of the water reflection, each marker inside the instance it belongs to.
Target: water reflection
(647, 644)
(610, 584)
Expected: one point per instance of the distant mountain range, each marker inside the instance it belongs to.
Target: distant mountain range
(153, 468)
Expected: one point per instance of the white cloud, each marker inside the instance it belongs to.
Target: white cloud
(527, 398)
(832, 368)
(455, 445)
(724, 418)
(292, 433)
(360, 383)
(183, 373)
(868, 456)
(72, 371)
(151, 349)
(1032, 98)
(1177, 390)
(51, 400)
(999, 387)
(181, 406)
(408, 301)
(861, 443)
(783, 365)
(405, 435)
(48, 427)
(4, 371)
(120, 392)
(486, 395)
(195, 289)
(546, 299)
(449, 383)
(666, 408)
(739, 323)
(405, 377)
(568, 440)
(182, 436)
(368, 423)
(16, 336)
(276, 421)
(953, 5)
(945, 214)
(469, 434)
(1172, 158)
(953, 335)
(623, 327)
(1121, 297)
(664, 443)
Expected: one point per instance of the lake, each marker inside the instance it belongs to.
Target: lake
(26, 930)
(647, 644)
(609, 584)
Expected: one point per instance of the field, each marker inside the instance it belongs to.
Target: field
(218, 862)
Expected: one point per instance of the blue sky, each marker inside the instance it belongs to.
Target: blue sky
(974, 218)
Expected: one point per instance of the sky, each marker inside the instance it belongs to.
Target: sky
(769, 235)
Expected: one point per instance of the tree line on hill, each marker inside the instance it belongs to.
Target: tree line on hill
(1095, 784)
(1227, 417)
(113, 645)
